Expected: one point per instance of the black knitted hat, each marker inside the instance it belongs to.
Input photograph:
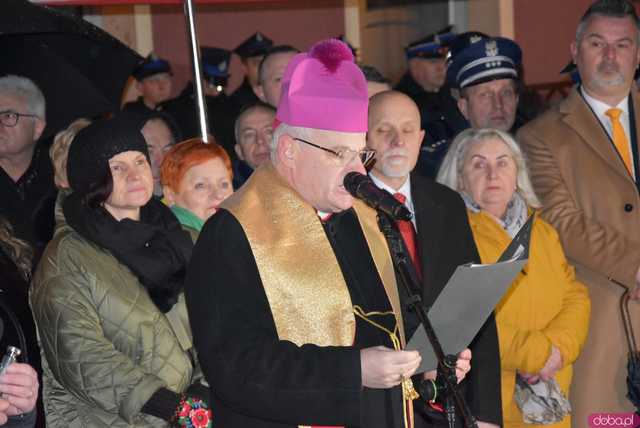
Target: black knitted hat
(94, 145)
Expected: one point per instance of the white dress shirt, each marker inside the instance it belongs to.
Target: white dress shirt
(600, 108)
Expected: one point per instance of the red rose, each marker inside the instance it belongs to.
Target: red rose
(184, 410)
(200, 418)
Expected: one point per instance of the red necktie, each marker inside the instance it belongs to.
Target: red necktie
(408, 233)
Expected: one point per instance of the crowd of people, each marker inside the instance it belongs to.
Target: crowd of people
(151, 279)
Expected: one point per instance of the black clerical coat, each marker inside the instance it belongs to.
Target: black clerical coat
(445, 241)
(260, 381)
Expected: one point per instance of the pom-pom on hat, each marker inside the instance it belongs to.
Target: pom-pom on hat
(324, 89)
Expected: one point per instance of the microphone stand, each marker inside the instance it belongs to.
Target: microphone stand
(446, 373)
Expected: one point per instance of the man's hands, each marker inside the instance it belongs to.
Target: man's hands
(385, 368)
(382, 367)
(19, 388)
(463, 365)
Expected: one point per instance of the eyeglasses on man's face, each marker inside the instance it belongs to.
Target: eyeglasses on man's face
(345, 156)
(10, 118)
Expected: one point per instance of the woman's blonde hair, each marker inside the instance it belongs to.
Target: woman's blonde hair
(60, 149)
(18, 250)
(450, 173)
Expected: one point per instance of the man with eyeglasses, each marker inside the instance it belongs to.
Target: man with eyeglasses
(298, 314)
(27, 190)
(439, 240)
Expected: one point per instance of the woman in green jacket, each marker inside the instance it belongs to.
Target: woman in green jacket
(107, 294)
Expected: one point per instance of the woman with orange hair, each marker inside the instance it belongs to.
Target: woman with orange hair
(196, 178)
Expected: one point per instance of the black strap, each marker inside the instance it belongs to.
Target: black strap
(628, 325)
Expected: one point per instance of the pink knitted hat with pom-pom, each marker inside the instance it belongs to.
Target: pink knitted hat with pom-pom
(324, 89)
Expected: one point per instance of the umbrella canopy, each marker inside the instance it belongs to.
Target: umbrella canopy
(81, 69)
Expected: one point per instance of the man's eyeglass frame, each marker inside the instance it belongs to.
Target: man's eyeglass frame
(4, 115)
(369, 153)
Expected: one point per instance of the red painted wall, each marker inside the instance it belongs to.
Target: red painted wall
(227, 26)
(545, 29)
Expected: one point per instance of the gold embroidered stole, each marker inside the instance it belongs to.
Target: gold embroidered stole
(303, 282)
(306, 290)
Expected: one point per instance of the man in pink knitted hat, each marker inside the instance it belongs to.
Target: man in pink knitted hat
(295, 312)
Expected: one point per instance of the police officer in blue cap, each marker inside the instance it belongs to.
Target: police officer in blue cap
(154, 82)
(220, 113)
(485, 70)
(424, 82)
(251, 52)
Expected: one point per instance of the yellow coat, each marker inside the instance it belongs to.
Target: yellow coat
(545, 305)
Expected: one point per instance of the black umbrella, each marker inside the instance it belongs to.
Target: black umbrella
(81, 69)
(633, 364)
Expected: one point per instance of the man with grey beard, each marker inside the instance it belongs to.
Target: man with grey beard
(584, 160)
(442, 242)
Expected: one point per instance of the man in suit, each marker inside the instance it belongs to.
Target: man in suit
(443, 240)
(583, 157)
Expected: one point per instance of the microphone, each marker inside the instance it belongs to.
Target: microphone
(362, 187)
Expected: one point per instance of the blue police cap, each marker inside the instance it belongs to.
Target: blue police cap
(435, 45)
(215, 62)
(479, 59)
(151, 66)
(256, 45)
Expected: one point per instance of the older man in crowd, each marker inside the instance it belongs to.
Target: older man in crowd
(271, 72)
(442, 241)
(253, 131)
(27, 190)
(298, 313)
(584, 164)
(485, 72)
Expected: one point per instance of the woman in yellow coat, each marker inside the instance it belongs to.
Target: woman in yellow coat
(543, 318)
